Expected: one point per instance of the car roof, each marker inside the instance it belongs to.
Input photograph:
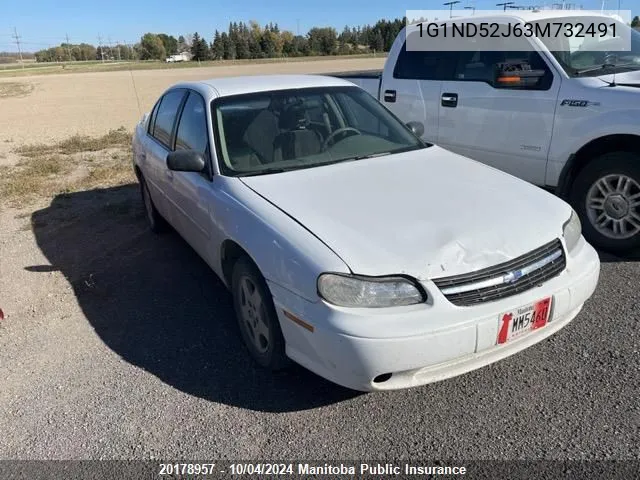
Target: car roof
(227, 86)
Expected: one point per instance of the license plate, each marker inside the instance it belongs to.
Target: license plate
(522, 320)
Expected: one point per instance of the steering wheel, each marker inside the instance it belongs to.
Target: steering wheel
(339, 131)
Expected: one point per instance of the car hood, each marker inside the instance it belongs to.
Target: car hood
(427, 213)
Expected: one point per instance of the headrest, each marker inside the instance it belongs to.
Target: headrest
(293, 118)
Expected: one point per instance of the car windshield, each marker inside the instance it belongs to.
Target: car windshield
(275, 131)
(591, 55)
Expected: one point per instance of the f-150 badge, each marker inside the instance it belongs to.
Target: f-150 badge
(578, 103)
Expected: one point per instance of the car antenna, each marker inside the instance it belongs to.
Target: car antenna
(135, 89)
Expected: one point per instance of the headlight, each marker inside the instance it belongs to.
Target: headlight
(368, 292)
(571, 230)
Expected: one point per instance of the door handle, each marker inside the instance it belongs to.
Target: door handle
(390, 96)
(449, 100)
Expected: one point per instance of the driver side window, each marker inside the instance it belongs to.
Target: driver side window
(518, 70)
(362, 118)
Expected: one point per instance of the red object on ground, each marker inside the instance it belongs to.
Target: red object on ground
(1, 314)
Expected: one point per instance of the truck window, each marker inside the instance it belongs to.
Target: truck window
(482, 65)
(424, 65)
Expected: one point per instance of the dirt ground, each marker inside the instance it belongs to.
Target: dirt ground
(61, 105)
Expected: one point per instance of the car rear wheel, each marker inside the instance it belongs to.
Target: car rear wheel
(256, 316)
(606, 196)
(156, 222)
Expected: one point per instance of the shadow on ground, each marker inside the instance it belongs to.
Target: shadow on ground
(154, 302)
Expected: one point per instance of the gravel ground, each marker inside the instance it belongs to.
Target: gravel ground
(121, 344)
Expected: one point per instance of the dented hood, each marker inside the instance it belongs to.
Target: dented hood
(427, 213)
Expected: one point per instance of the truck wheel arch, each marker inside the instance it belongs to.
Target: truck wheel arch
(591, 150)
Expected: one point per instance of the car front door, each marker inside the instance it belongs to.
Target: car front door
(411, 87)
(158, 144)
(506, 123)
(192, 196)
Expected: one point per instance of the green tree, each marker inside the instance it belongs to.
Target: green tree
(635, 22)
(151, 47)
(217, 47)
(199, 48)
(322, 41)
(169, 42)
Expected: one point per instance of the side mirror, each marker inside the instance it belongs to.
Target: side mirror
(417, 128)
(516, 76)
(186, 161)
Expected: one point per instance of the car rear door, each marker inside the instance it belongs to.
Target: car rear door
(158, 144)
(411, 87)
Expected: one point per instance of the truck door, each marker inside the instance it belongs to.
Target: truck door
(495, 112)
(411, 86)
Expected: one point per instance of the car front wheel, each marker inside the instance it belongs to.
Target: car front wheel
(606, 196)
(256, 316)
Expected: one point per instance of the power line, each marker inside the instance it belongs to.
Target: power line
(17, 37)
(505, 5)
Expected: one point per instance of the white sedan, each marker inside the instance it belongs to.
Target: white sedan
(350, 246)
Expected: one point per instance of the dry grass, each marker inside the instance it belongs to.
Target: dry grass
(66, 167)
(14, 89)
(78, 144)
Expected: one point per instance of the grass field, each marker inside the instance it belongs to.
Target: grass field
(17, 70)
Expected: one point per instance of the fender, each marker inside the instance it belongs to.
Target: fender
(569, 139)
(285, 252)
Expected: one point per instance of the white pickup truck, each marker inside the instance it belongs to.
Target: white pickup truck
(572, 127)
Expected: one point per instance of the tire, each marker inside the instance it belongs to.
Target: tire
(156, 222)
(611, 220)
(257, 318)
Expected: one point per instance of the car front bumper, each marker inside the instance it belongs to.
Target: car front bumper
(427, 343)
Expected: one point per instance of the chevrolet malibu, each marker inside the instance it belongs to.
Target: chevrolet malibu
(348, 244)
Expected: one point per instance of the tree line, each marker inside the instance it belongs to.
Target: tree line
(239, 41)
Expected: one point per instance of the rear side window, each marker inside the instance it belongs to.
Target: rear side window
(424, 65)
(165, 117)
(192, 129)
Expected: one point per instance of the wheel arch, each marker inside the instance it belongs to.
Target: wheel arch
(593, 149)
(230, 252)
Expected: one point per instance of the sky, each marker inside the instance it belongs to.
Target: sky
(45, 23)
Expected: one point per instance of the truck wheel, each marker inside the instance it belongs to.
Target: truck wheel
(606, 196)
(257, 317)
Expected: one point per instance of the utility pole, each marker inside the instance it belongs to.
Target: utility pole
(100, 47)
(504, 4)
(68, 47)
(450, 5)
(17, 42)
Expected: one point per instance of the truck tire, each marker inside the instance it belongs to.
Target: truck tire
(606, 196)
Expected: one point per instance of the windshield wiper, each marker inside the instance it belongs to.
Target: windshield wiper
(604, 66)
(266, 171)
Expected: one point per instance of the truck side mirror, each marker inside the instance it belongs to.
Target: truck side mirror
(506, 77)
(416, 127)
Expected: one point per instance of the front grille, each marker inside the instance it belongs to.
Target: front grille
(488, 284)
